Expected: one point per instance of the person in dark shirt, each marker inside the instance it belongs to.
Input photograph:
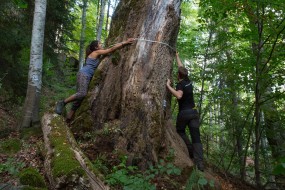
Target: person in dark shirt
(187, 115)
(93, 52)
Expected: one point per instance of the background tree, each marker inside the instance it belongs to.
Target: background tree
(101, 20)
(82, 36)
(31, 106)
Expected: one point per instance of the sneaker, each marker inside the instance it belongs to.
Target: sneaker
(59, 107)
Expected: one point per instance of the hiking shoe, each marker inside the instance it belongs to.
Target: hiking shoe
(59, 107)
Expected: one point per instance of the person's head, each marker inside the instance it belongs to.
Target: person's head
(182, 73)
(93, 46)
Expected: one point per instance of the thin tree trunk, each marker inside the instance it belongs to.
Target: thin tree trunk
(31, 105)
(101, 20)
(82, 35)
(108, 15)
(204, 69)
(274, 135)
(258, 92)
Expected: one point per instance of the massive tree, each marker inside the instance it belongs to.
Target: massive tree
(132, 90)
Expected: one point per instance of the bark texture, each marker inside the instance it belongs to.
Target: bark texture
(31, 105)
(65, 164)
(82, 35)
(133, 82)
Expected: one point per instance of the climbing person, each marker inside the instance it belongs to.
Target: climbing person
(92, 59)
(187, 114)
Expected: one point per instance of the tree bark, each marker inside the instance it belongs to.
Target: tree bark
(82, 35)
(101, 20)
(133, 89)
(31, 105)
(69, 177)
(107, 16)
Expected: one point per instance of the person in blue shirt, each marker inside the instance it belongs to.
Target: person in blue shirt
(93, 52)
(187, 114)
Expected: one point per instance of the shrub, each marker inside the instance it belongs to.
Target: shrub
(32, 177)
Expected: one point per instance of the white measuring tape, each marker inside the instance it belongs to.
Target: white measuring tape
(152, 41)
(141, 39)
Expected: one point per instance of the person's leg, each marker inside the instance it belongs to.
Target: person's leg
(70, 99)
(70, 116)
(61, 104)
(76, 104)
(180, 128)
(82, 89)
(82, 83)
(197, 145)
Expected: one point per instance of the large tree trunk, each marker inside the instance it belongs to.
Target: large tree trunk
(31, 105)
(133, 89)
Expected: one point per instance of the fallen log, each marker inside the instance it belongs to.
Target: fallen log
(65, 164)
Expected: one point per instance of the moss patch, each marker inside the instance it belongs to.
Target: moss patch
(10, 146)
(64, 162)
(32, 177)
(26, 133)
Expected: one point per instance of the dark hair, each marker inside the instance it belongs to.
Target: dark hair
(183, 73)
(93, 46)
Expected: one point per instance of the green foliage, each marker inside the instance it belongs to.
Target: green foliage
(130, 178)
(197, 180)
(10, 146)
(218, 42)
(15, 38)
(32, 177)
(21, 3)
(171, 155)
(279, 168)
(99, 164)
(73, 45)
(11, 166)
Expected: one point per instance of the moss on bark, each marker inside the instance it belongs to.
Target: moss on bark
(64, 162)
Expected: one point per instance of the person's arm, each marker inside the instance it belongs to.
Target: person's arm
(115, 47)
(177, 93)
(178, 60)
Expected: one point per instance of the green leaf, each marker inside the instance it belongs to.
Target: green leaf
(279, 169)
(21, 4)
(202, 181)
(212, 183)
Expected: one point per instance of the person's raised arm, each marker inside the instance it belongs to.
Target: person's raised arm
(178, 60)
(177, 93)
(115, 47)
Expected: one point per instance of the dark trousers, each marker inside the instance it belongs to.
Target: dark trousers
(190, 118)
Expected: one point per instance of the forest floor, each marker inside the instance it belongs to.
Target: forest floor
(29, 155)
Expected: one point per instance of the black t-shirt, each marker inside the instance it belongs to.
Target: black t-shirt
(187, 100)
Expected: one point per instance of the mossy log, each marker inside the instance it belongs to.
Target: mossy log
(65, 164)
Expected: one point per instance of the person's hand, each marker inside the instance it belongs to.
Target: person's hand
(129, 41)
(177, 54)
(168, 83)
